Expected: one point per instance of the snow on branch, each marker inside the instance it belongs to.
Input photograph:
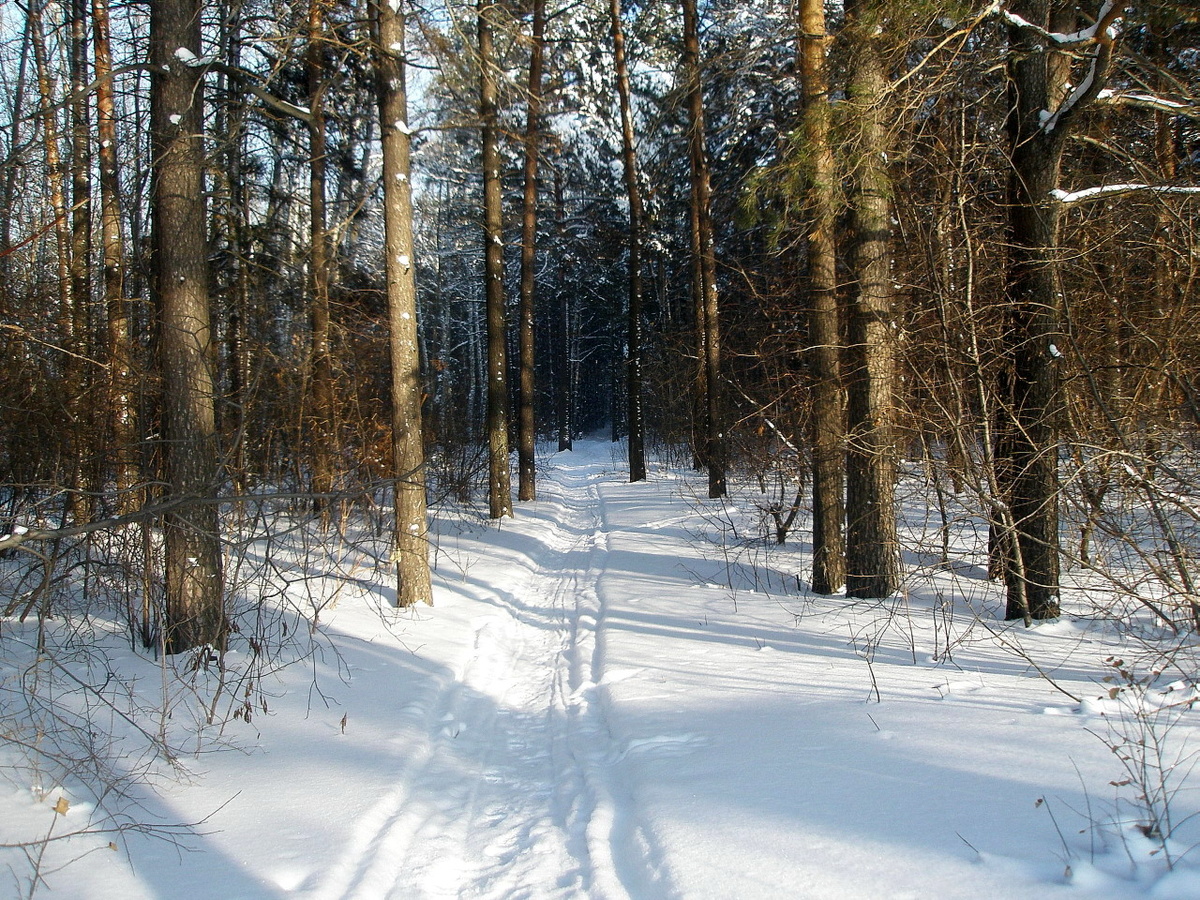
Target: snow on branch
(1100, 36)
(1105, 28)
(1141, 100)
(250, 82)
(1088, 195)
(191, 60)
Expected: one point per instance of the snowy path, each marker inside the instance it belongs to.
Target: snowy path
(607, 703)
(523, 717)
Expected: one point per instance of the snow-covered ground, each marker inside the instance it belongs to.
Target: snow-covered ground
(605, 702)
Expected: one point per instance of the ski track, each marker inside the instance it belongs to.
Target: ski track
(529, 710)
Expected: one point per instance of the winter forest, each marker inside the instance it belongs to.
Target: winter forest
(863, 331)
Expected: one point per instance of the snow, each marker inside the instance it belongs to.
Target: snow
(605, 702)
(1112, 190)
(1069, 39)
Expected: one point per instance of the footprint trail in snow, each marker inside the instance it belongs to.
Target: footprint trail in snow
(509, 789)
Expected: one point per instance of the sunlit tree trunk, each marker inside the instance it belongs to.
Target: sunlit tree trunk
(827, 422)
(408, 449)
(872, 550)
(499, 480)
(195, 612)
(122, 408)
(81, 376)
(321, 433)
(51, 145)
(15, 167)
(702, 203)
(81, 176)
(527, 425)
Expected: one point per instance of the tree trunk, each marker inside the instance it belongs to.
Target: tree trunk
(16, 142)
(702, 204)
(81, 180)
(321, 434)
(499, 480)
(564, 391)
(1042, 107)
(195, 612)
(633, 376)
(122, 409)
(699, 332)
(827, 424)
(527, 425)
(408, 449)
(54, 170)
(872, 550)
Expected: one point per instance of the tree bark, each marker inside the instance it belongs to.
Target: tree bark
(122, 409)
(564, 391)
(827, 422)
(527, 424)
(499, 480)
(195, 612)
(81, 180)
(321, 423)
(15, 167)
(411, 546)
(702, 204)
(872, 548)
(1042, 108)
(51, 138)
(633, 375)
